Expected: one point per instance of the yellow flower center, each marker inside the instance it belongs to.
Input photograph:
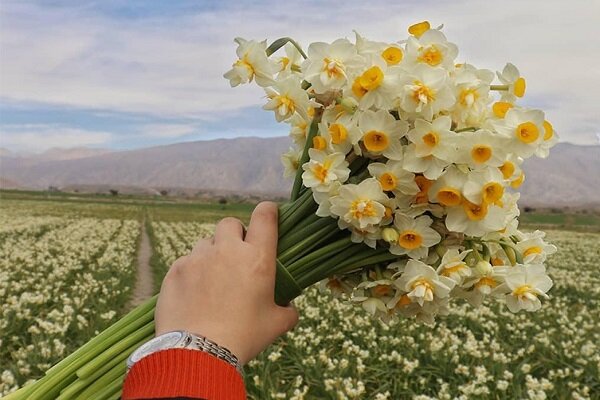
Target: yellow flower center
(388, 212)
(519, 87)
(333, 68)
(371, 79)
(518, 182)
(507, 169)
(404, 301)
(381, 290)
(548, 130)
(527, 132)
(376, 141)
(449, 196)
(388, 181)
(392, 55)
(468, 97)
(419, 28)
(321, 170)
(362, 208)
(481, 153)
(496, 262)
(532, 250)
(431, 55)
(424, 184)
(357, 88)
(521, 290)
(319, 143)
(338, 133)
(334, 284)
(500, 108)
(243, 62)
(486, 281)
(284, 62)
(422, 282)
(431, 139)
(475, 212)
(450, 270)
(422, 94)
(410, 239)
(492, 192)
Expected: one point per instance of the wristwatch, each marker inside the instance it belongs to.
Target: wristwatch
(183, 340)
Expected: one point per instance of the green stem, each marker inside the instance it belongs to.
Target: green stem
(307, 208)
(307, 244)
(314, 128)
(302, 232)
(314, 257)
(279, 43)
(117, 373)
(147, 331)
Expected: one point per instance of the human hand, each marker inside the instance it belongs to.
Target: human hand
(224, 289)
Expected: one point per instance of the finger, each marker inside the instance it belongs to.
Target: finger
(202, 245)
(263, 227)
(286, 318)
(229, 229)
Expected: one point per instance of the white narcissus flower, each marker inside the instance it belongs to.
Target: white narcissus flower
(453, 265)
(511, 168)
(290, 160)
(526, 284)
(375, 85)
(524, 129)
(381, 133)
(485, 280)
(287, 98)
(391, 53)
(341, 133)
(415, 236)
(290, 63)
(323, 169)
(394, 178)
(533, 248)
(483, 148)
(484, 186)
(550, 139)
(426, 91)
(369, 235)
(434, 147)
(475, 219)
(323, 199)
(299, 129)
(422, 284)
(472, 95)
(431, 49)
(359, 205)
(328, 65)
(516, 83)
(448, 189)
(253, 63)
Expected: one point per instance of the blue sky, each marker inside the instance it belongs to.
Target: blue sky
(127, 74)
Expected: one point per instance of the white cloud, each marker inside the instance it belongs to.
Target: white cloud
(173, 65)
(36, 138)
(166, 131)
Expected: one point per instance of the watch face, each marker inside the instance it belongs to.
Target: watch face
(165, 341)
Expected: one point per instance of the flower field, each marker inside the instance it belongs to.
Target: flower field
(338, 351)
(66, 271)
(62, 279)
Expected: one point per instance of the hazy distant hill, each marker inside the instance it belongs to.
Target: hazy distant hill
(570, 176)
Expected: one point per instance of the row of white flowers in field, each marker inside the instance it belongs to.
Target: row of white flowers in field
(175, 239)
(338, 352)
(61, 281)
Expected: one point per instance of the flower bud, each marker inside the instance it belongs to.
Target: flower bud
(390, 235)
(484, 267)
(349, 104)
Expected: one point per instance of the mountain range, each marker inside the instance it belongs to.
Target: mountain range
(251, 165)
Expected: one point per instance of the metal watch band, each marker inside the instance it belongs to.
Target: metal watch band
(207, 345)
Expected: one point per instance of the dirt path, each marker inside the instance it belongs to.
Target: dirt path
(144, 283)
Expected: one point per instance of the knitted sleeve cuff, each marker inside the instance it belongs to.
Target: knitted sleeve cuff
(183, 373)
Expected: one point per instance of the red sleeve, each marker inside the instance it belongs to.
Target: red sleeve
(183, 373)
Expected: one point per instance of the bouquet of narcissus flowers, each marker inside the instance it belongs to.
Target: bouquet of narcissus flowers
(413, 156)
(405, 167)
